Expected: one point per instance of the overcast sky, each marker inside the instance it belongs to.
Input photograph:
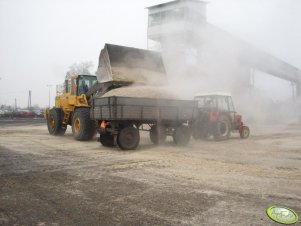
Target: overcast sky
(40, 39)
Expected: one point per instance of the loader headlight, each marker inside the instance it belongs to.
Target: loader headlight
(81, 100)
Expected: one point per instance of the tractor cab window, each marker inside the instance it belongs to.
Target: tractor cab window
(230, 103)
(223, 103)
(84, 83)
(206, 102)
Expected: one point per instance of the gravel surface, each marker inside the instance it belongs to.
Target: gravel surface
(48, 180)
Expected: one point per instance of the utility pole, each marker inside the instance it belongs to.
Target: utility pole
(49, 86)
(15, 104)
(29, 100)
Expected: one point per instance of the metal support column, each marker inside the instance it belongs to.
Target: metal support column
(298, 90)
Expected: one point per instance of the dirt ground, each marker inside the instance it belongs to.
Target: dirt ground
(47, 180)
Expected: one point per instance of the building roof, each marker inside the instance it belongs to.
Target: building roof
(175, 2)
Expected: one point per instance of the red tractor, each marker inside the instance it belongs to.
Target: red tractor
(217, 117)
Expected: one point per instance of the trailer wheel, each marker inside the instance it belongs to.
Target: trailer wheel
(157, 134)
(223, 128)
(54, 122)
(83, 128)
(182, 135)
(245, 132)
(107, 140)
(128, 138)
(200, 131)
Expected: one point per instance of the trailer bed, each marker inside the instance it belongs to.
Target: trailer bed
(144, 110)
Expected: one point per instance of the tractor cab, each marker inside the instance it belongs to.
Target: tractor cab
(221, 102)
(217, 116)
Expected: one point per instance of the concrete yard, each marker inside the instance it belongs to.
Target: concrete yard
(48, 180)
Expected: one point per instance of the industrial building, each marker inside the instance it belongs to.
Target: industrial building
(193, 47)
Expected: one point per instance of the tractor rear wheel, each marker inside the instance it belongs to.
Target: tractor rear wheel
(83, 128)
(223, 128)
(128, 138)
(157, 134)
(182, 135)
(245, 132)
(54, 122)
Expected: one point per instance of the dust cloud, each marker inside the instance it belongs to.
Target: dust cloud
(207, 59)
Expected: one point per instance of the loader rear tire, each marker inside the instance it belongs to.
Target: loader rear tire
(83, 128)
(54, 122)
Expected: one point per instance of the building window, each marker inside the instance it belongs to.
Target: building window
(154, 19)
(166, 16)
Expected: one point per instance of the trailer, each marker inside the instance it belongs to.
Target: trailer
(120, 119)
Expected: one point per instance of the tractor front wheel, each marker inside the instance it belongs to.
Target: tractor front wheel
(54, 122)
(83, 128)
(244, 132)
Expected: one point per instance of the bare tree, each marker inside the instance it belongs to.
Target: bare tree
(82, 68)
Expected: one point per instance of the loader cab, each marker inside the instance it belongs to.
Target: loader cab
(77, 85)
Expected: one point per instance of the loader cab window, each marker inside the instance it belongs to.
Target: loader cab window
(85, 83)
(73, 86)
(67, 86)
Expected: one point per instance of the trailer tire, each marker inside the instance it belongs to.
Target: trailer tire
(200, 131)
(245, 132)
(157, 134)
(182, 135)
(222, 128)
(107, 140)
(54, 122)
(128, 138)
(83, 128)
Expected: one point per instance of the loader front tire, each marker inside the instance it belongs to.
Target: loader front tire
(83, 128)
(54, 122)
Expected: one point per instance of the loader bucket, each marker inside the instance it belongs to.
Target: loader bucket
(128, 65)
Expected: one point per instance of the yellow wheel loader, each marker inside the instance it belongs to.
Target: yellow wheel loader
(72, 108)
